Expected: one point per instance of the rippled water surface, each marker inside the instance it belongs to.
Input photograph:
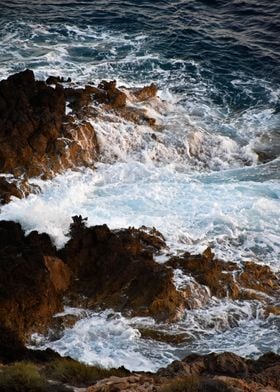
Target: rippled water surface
(210, 178)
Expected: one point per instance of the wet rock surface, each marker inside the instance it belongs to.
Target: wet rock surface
(116, 269)
(36, 139)
(31, 283)
(45, 127)
(103, 268)
(238, 281)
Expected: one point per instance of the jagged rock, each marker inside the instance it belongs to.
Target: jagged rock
(146, 92)
(32, 280)
(57, 79)
(39, 139)
(114, 97)
(116, 269)
(30, 117)
(35, 139)
(226, 363)
(223, 372)
(106, 93)
(129, 384)
(246, 281)
(210, 272)
(8, 189)
(258, 277)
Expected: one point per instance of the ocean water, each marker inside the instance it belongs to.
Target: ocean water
(201, 182)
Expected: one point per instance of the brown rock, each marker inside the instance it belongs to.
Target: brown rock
(267, 370)
(60, 274)
(259, 277)
(163, 336)
(212, 273)
(8, 189)
(35, 139)
(226, 363)
(146, 92)
(248, 281)
(128, 384)
(57, 79)
(29, 293)
(115, 97)
(116, 269)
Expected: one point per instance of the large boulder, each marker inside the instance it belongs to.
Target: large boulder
(46, 127)
(37, 138)
(32, 281)
(116, 269)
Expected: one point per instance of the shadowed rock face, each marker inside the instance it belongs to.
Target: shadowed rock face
(31, 115)
(36, 137)
(30, 287)
(116, 269)
(101, 268)
(227, 372)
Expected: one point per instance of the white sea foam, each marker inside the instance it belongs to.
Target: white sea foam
(240, 220)
(108, 339)
(198, 183)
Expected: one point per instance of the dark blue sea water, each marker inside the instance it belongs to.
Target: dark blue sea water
(212, 176)
(228, 39)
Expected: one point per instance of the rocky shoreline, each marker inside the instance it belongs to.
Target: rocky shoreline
(99, 268)
(45, 127)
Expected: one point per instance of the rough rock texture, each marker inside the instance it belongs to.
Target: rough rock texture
(31, 283)
(34, 138)
(246, 281)
(224, 372)
(116, 269)
(104, 268)
(129, 384)
(38, 138)
(146, 92)
(227, 370)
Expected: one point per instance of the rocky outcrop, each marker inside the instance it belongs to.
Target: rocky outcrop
(32, 281)
(103, 268)
(116, 269)
(223, 372)
(238, 281)
(147, 92)
(39, 137)
(227, 371)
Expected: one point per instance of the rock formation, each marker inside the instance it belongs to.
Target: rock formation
(38, 137)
